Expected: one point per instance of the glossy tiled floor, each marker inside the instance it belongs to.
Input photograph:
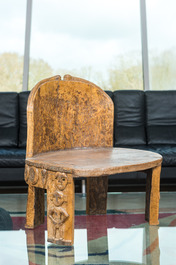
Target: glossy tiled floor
(120, 237)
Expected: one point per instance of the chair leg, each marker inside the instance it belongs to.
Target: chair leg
(60, 209)
(35, 212)
(153, 195)
(97, 195)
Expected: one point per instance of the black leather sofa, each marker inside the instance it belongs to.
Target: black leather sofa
(147, 121)
(12, 139)
(142, 120)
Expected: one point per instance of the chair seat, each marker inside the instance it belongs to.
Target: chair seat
(168, 152)
(94, 162)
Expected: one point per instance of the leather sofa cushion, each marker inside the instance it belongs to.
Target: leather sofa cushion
(168, 153)
(110, 93)
(9, 119)
(161, 134)
(161, 117)
(23, 98)
(129, 117)
(12, 157)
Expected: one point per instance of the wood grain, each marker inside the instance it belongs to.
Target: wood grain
(96, 189)
(60, 208)
(31, 125)
(95, 162)
(154, 174)
(63, 114)
(97, 195)
(70, 135)
(68, 114)
(35, 214)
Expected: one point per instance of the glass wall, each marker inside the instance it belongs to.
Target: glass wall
(161, 21)
(92, 39)
(12, 32)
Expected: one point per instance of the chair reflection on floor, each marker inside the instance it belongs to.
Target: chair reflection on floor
(152, 251)
(97, 249)
(35, 240)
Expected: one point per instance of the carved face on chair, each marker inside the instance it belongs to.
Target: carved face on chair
(61, 181)
(58, 198)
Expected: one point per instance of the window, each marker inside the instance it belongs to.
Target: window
(12, 32)
(92, 39)
(162, 44)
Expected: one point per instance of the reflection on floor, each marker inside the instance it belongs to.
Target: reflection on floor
(120, 237)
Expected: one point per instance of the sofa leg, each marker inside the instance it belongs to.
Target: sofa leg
(35, 212)
(153, 195)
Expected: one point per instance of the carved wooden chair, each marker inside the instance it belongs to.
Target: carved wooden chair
(64, 114)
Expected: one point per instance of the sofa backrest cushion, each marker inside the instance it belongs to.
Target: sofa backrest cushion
(23, 98)
(129, 118)
(161, 117)
(8, 119)
(110, 93)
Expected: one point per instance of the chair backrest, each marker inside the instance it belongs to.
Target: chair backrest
(68, 113)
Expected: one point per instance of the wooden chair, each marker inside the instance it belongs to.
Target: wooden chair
(64, 114)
